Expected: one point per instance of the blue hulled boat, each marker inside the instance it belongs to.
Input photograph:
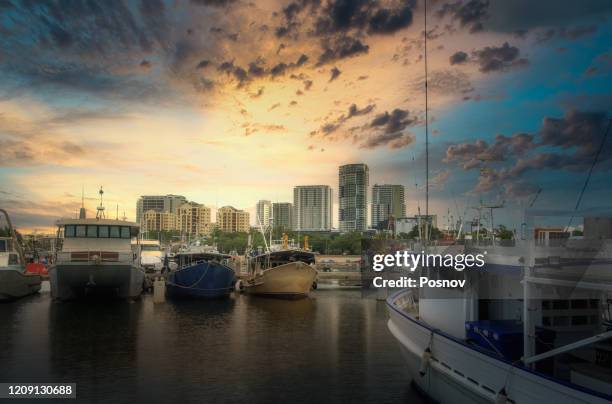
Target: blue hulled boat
(200, 275)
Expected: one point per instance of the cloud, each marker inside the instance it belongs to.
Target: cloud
(343, 15)
(458, 58)
(353, 111)
(393, 140)
(251, 128)
(341, 48)
(569, 143)
(510, 16)
(469, 14)
(492, 58)
(23, 153)
(335, 72)
(393, 122)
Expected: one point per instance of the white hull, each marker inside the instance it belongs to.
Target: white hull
(15, 284)
(69, 281)
(458, 373)
(293, 280)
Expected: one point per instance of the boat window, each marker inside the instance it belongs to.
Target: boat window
(125, 232)
(81, 230)
(92, 231)
(70, 230)
(3, 246)
(103, 231)
(114, 231)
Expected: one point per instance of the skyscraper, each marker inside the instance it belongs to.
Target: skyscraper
(158, 203)
(263, 212)
(312, 207)
(282, 214)
(387, 200)
(353, 197)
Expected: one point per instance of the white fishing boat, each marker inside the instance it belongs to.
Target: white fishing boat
(283, 272)
(96, 256)
(15, 282)
(534, 327)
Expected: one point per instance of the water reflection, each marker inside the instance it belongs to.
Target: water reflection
(331, 347)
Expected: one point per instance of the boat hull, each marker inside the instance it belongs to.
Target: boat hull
(15, 284)
(459, 373)
(204, 280)
(71, 281)
(290, 281)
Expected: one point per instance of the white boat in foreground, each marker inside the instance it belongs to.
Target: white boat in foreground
(96, 256)
(455, 357)
(15, 282)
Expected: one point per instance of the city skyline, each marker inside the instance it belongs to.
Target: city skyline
(229, 102)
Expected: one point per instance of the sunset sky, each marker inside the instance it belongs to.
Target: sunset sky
(229, 102)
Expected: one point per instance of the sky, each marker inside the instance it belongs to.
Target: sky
(229, 102)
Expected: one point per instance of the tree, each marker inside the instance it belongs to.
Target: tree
(504, 233)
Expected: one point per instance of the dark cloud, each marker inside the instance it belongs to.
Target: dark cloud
(203, 64)
(301, 60)
(335, 72)
(511, 16)
(393, 122)
(279, 69)
(353, 111)
(213, 3)
(386, 20)
(469, 14)
(395, 140)
(344, 15)
(492, 58)
(458, 58)
(569, 143)
(341, 48)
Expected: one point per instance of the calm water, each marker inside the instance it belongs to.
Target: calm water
(331, 347)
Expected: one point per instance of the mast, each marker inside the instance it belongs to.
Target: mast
(426, 130)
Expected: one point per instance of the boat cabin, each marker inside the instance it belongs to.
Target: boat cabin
(102, 239)
(184, 259)
(275, 258)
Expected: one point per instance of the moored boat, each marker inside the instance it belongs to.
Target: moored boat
(284, 273)
(530, 326)
(200, 274)
(96, 256)
(15, 282)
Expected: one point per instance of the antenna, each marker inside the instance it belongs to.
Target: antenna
(82, 212)
(100, 209)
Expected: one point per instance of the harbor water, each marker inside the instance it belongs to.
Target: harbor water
(333, 346)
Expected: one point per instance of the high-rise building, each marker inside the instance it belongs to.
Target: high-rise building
(263, 212)
(158, 203)
(232, 220)
(282, 214)
(152, 220)
(387, 200)
(312, 207)
(353, 197)
(194, 219)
